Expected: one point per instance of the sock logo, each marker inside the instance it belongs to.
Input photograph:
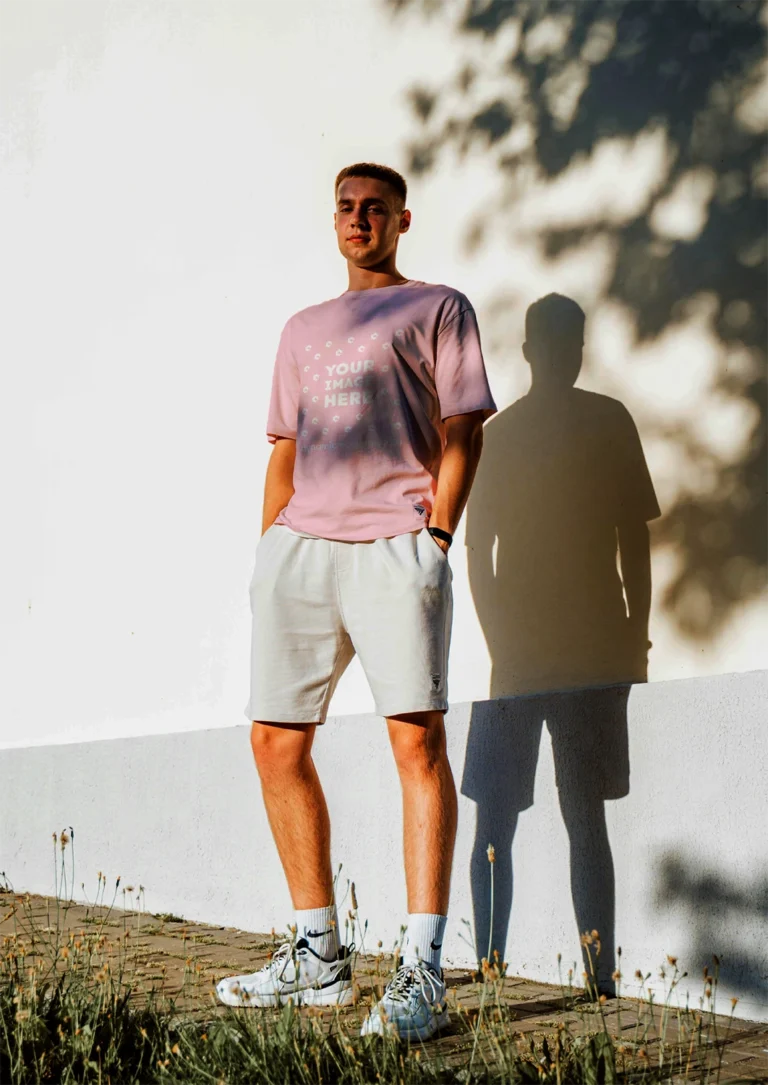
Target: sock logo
(317, 934)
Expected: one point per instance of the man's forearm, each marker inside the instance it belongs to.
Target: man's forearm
(278, 484)
(635, 554)
(461, 456)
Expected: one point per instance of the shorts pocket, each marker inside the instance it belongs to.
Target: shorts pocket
(436, 546)
(262, 563)
(435, 557)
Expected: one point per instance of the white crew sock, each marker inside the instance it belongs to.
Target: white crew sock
(424, 939)
(320, 927)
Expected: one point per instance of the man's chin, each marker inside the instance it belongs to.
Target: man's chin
(361, 256)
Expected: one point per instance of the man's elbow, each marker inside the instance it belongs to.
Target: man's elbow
(634, 534)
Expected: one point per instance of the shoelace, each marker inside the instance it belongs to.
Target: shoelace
(280, 957)
(407, 977)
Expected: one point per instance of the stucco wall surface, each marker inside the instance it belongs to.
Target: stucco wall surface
(684, 839)
(166, 186)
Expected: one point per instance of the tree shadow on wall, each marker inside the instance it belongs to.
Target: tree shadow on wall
(544, 89)
(562, 485)
(719, 913)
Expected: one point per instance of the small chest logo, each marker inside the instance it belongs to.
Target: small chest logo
(436, 681)
(420, 509)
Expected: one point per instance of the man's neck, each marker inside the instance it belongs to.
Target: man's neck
(554, 390)
(372, 278)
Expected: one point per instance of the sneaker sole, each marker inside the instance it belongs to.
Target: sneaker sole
(424, 1032)
(336, 994)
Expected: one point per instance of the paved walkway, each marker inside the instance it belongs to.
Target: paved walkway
(185, 960)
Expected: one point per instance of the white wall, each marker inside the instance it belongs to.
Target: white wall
(182, 816)
(166, 193)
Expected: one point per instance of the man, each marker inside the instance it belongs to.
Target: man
(377, 409)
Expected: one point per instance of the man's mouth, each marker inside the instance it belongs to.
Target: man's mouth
(358, 237)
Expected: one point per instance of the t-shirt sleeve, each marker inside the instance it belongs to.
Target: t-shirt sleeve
(284, 403)
(460, 377)
(636, 497)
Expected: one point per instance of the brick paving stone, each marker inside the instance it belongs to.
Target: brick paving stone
(183, 960)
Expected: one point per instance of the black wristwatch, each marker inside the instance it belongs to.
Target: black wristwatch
(438, 533)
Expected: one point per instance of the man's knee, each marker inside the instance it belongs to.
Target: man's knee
(280, 748)
(418, 742)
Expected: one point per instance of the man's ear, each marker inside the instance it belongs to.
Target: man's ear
(334, 220)
(405, 221)
(527, 353)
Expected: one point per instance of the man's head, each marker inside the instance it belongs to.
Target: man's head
(554, 340)
(370, 213)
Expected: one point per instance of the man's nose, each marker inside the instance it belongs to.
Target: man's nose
(360, 219)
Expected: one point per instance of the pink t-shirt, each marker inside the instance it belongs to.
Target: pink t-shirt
(363, 383)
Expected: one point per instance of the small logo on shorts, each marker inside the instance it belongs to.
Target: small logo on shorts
(420, 509)
(436, 679)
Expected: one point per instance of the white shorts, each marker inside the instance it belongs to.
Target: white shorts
(315, 602)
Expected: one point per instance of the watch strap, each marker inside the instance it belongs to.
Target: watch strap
(438, 533)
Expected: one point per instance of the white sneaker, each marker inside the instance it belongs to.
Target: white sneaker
(412, 1007)
(295, 974)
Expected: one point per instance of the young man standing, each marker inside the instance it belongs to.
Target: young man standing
(376, 416)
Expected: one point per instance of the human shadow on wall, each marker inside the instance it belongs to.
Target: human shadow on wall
(561, 488)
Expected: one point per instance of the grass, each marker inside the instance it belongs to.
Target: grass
(72, 1010)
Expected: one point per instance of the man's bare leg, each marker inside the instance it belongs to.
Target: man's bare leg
(414, 1000)
(312, 966)
(429, 808)
(296, 809)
